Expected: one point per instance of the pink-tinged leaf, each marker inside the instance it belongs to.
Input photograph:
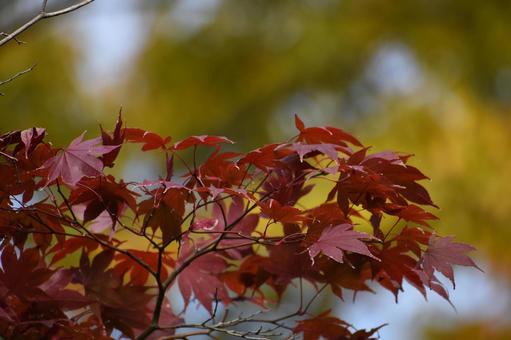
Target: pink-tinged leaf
(165, 184)
(302, 150)
(99, 223)
(78, 160)
(31, 137)
(334, 241)
(389, 156)
(443, 253)
(200, 140)
(209, 224)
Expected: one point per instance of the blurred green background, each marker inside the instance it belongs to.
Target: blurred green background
(429, 77)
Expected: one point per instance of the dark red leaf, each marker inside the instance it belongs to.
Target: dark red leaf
(263, 158)
(281, 213)
(325, 326)
(396, 265)
(201, 140)
(116, 139)
(330, 135)
(335, 241)
(150, 140)
(202, 280)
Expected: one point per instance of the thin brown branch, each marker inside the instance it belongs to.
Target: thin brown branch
(141, 262)
(40, 16)
(19, 42)
(213, 246)
(17, 75)
(186, 335)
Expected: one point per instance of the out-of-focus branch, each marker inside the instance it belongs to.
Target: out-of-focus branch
(19, 74)
(19, 42)
(43, 14)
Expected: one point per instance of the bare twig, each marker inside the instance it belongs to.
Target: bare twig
(17, 75)
(43, 14)
(19, 42)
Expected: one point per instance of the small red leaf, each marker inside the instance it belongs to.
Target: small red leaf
(281, 213)
(299, 123)
(150, 140)
(334, 241)
(200, 140)
(117, 138)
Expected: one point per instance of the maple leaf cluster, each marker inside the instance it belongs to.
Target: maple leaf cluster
(87, 255)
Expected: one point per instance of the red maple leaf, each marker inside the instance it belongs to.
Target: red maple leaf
(138, 274)
(412, 213)
(442, 253)
(119, 305)
(201, 234)
(31, 292)
(335, 241)
(78, 160)
(340, 276)
(116, 139)
(396, 265)
(165, 212)
(325, 326)
(281, 213)
(322, 326)
(202, 278)
(263, 157)
(103, 195)
(201, 140)
(319, 135)
(313, 149)
(150, 140)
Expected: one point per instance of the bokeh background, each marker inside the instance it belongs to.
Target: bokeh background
(429, 77)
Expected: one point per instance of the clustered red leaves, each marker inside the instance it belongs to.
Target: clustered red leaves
(85, 255)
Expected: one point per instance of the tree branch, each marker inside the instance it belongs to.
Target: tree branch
(41, 15)
(17, 75)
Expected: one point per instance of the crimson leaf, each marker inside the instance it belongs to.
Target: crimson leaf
(334, 241)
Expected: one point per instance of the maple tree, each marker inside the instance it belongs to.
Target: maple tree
(85, 255)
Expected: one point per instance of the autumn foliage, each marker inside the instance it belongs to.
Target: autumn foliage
(85, 255)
